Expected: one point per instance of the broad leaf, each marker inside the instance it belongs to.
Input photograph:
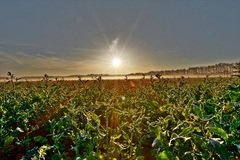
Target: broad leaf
(163, 156)
(218, 131)
(187, 131)
(8, 140)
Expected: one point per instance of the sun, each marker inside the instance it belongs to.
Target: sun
(116, 62)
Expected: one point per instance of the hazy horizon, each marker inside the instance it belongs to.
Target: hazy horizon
(83, 37)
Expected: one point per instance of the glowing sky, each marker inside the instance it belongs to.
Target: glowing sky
(80, 37)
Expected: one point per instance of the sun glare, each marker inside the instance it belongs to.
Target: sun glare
(116, 62)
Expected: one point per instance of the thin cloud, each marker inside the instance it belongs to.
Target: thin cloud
(25, 55)
(113, 46)
(10, 57)
(29, 58)
(50, 52)
(20, 44)
(85, 50)
(36, 61)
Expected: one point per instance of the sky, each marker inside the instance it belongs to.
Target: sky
(61, 37)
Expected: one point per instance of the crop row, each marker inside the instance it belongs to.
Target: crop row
(116, 119)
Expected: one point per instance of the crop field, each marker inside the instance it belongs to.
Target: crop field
(181, 118)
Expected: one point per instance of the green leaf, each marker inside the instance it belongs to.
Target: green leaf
(140, 158)
(125, 135)
(40, 139)
(235, 96)
(117, 137)
(197, 111)
(123, 98)
(190, 102)
(197, 129)
(187, 131)
(218, 131)
(165, 155)
(8, 140)
(154, 103)
(235, 124)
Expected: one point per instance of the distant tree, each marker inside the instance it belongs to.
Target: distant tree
(236, 68)
(18, 78)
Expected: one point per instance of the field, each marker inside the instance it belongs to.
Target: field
(186, 118)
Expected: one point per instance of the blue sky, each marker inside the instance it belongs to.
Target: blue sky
(60, 37)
